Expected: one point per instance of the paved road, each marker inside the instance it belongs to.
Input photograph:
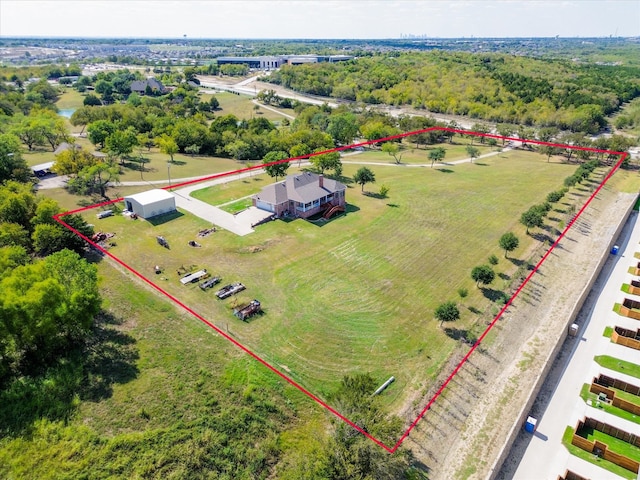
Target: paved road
(240, 224)
(545, 457)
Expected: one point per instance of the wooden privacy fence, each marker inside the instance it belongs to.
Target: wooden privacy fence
(634, 287)
(628, 338)
(569, 475)
(598, 387)
(630, 308)
(602, 449)
(606, 381)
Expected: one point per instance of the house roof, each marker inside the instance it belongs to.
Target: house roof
(151, 196)
(66, 146)
(303, 187)
(141, 85)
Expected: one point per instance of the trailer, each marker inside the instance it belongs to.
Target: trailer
(194, 277)
(248, 310)
(229, 290)
(210, 283)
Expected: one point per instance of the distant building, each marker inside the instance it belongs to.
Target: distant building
(150, 84)
(301, 195)
(269, 62)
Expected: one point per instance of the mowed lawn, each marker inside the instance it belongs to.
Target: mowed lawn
(410, 155)
(357, 294)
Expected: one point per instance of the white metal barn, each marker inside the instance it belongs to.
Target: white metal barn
(150, 203)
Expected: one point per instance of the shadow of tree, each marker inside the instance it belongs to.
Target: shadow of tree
(88, 372)
(461, 334)
(444, 170)
(541, 237)
(494, 295)
(110, 357)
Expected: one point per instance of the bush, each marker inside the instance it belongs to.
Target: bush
(463, 292)
(384, 190)
(493, 260)
(556, 196)
(570, 181)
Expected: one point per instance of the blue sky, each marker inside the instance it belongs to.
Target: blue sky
(319, 19)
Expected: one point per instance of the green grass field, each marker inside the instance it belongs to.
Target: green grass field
(618, 365)
(357, 294)
(242, 107)
(70, 98)
(615, 444)
(162, 396)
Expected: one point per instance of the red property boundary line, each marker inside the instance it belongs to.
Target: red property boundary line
(390, 449)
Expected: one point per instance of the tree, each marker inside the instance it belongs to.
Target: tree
(352, 455)
(50, 306)
(508, 242)
(393, 150)
(473, 152)
(29, 131)
(326, 161)
(12, 165)
(364, 175)
(447, 312)
(17, 203)
(121, 142)
(277, 169)
(13, 234)
(53, 129)
(532, 218)
(168, 146)
(91, 100)
(483, 274)
(437, 155)
(505, 130)
(343, 128)
(99, 131)
(72, 160)
(94, 179)
(548, 150)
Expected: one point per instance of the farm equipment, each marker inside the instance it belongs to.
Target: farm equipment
(248, 310)
(162, 241)
(229, 290)
(209, 283)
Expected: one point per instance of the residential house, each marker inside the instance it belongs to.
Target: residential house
(142, 87)
(301, 195)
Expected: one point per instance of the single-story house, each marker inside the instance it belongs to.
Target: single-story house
(140, 86)
(301, 195)
(150, 203)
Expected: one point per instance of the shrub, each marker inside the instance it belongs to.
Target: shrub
(463, 292)
(556, 196)
(493, 260)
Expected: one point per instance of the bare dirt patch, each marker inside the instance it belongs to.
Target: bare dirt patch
(465, 430)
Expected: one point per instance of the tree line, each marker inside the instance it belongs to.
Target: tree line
(493, 87)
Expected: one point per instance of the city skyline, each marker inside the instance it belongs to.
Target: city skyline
(311, 19)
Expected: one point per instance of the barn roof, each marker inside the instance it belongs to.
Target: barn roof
(151, 196)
